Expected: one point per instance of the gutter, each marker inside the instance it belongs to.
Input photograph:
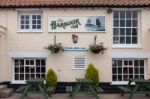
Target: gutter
(74, 6)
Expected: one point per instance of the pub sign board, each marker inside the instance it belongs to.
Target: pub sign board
(76, 24)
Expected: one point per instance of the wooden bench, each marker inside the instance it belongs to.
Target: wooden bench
(20, 89)
(124, 89)
(148, 87)
(142, 86)
(49, 90)
(35, 85)
(85, 86)
(98, 89)
(68, 88)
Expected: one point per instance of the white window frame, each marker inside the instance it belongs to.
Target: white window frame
(23, 81)
(30, 13)
(79, 57)
(132, 59)
(138, 45)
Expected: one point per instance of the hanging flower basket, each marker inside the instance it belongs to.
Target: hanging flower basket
(96, 48)
(55, 48)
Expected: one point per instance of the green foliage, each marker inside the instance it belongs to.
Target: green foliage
(93, 74)
(51, 78)
(55, 48)
(96, 48)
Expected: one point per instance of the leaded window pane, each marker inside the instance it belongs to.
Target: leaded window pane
(125, 27)
(30, 22)
(130, 68)
(25, 69)
(122, 14)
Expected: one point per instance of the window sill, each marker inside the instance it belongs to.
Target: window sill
(121, 83)
(78, 68)
(126, 46)
(30, 31)
(18, 82)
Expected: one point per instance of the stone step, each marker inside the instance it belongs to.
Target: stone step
(5, 93)
(2, 87)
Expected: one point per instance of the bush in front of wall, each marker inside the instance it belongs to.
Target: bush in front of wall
(92, 74)
(51, 78)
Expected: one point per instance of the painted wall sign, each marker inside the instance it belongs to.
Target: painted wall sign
(77, 24)
(75, 49)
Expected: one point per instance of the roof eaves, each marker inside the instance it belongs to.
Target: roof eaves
(73, 5)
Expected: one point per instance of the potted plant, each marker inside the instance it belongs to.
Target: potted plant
(51, 79)
(96, 48)
(92, 74)
(56, 47)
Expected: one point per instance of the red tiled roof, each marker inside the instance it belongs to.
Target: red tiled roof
(75, 3)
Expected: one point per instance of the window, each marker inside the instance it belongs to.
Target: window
(79, 62)
(125, 27)
(127, 68)
(29, 68)
(31, 22)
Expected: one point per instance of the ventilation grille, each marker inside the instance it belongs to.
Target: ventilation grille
(79, 62)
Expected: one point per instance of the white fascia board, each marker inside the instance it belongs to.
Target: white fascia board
(28, 54)
(130, 54)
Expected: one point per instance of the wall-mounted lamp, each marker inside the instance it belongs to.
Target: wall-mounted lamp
(109, 10)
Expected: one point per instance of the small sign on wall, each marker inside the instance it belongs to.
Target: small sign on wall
(77, 24)
(75, 49)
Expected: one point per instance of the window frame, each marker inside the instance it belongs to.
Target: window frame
(117, 82)
(125, 45)
(30, 13)
(25, 65)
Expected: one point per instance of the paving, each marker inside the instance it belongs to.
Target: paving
(78, 96)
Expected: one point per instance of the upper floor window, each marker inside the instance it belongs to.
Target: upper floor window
(30, 22)
(125, 27)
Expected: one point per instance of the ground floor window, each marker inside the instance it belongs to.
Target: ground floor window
(29, 68)
(127, 68)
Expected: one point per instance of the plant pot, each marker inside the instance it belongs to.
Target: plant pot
(55, 50)
(95, 51)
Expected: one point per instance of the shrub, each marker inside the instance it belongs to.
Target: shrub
(93, 74)
(51, 78)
